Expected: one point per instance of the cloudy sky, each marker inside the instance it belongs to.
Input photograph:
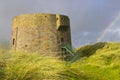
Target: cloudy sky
(91, 20)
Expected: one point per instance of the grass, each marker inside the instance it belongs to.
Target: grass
(101, 61)
(102, 64)
(27, 66)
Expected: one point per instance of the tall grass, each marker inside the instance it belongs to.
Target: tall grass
(27, 66)
(103, 63)
(24, 66)
(2, 63)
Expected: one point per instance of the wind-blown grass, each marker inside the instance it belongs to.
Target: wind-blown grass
(24, 66)
(101, 61)
(27, 66)
(103, 64)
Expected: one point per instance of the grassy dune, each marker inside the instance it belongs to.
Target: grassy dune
(27, 66)
(100, 61)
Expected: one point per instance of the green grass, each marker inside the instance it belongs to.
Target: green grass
(32, 66)
(101, 61)
(102, 64)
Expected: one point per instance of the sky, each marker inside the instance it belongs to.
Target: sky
(91, 20)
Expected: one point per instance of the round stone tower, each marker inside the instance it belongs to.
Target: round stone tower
(41, 33)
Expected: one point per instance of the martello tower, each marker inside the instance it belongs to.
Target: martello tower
(40, 32)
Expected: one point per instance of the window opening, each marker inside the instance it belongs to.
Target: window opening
(56, 18)
(13, 41)
(62, 40)
(26, 45)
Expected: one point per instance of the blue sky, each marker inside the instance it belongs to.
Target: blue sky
(89, 18)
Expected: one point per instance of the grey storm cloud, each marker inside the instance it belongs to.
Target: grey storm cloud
(89, 18)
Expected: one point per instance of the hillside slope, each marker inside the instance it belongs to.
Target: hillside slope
(101, 61)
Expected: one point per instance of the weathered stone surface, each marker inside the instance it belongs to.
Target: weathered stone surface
(40, 32)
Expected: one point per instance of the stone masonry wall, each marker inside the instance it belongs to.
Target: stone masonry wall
(39, 33)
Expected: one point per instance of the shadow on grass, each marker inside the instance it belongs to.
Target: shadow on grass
(89, 50)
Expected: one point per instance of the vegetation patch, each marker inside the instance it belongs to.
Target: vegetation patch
(100, 61)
